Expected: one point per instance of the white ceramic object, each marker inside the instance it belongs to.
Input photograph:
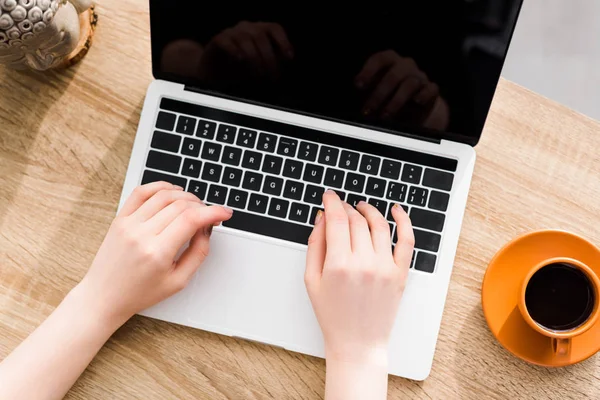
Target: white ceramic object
(39, 34)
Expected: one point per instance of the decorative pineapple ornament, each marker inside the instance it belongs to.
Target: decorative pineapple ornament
(43, 34)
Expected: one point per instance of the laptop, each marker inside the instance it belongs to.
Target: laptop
(264, 107)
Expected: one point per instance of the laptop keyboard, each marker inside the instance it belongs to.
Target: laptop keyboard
(274, 174)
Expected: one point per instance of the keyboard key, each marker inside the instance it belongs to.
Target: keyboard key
(252, 160)
(266, 142)
(226, 133)
(411, 173)
(271, 227)
(191, 167)
(379, 204)
(273, 185)
(231, 155)
(341, 194)
(394, 236)
(438, 200)
(293, 190)
(272, 164)
(198, 188)
(252, 181)
(396, 192)
(425, 262)
(369, 164)
(389, 214)
(237, 198)
(232, 176)
(427, 240)
(299, 212)
(216, 194)
(246, 138)
(163, 161)
(165, 121)
(153, 176)
(186, 125)
(307, 151)
(279, 207)
(355, 182)
(313, 214)
(212, 173)
(313, 173)
(334, 178)
(292, 169)
(314, 195)
(390, 169)
(258, 203)
(354, 199)
(211, 151)
(412, 261)
(165, 141)
(375, 187)
(438, 179)
(287, 147)
(328, 155)
(191, 147)
(417, 196)
(427, 219)
(206, 129)
(349, 160)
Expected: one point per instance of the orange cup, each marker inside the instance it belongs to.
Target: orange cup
(561, 339)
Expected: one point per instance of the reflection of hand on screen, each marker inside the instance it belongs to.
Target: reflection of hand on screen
(392, 82)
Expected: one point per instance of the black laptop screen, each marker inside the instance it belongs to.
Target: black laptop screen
(426, 67)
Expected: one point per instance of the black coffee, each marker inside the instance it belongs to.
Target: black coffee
(560, 297)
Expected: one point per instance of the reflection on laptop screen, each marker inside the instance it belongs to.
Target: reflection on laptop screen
(420, 67)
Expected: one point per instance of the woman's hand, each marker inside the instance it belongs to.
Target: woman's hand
(355, 285)
(137, 265)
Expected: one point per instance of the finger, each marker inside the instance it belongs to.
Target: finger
(226, 44)
(249, 51)
(384, 89)
(427, 94)
(379, 227)
(161, 200)
(263, 44)
(375, 65)
(276, 32)
(167, 215)
(193, 257)
(142, 193)
(360, 238)
(406, 238)
(317, 248)
(407, 88)
(337, 227)
(192, 220)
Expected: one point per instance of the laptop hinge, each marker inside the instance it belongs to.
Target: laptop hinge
(424, 137)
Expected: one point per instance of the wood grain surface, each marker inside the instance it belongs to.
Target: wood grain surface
(65, 141)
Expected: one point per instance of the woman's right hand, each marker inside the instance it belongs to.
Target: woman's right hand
(354, 281)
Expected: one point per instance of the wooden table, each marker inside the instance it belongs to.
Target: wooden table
(65, 140)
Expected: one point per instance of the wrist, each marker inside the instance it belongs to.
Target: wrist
(371, 356)
(87, 306)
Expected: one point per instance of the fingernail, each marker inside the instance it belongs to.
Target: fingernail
(361, 202)
(175, 187)
(330, 191)
(229, 210)
(398, 207)
(318, 216)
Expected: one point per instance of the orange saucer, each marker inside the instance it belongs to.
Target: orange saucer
(502, 287)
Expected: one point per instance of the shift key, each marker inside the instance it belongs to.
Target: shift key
(427, 219)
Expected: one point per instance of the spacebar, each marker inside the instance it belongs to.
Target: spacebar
(269, 227)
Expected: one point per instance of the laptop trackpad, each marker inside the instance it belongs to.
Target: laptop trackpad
(250, 288)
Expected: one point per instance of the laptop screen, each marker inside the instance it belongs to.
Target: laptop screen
(426, 67)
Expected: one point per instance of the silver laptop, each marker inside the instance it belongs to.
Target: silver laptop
(262, 108)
